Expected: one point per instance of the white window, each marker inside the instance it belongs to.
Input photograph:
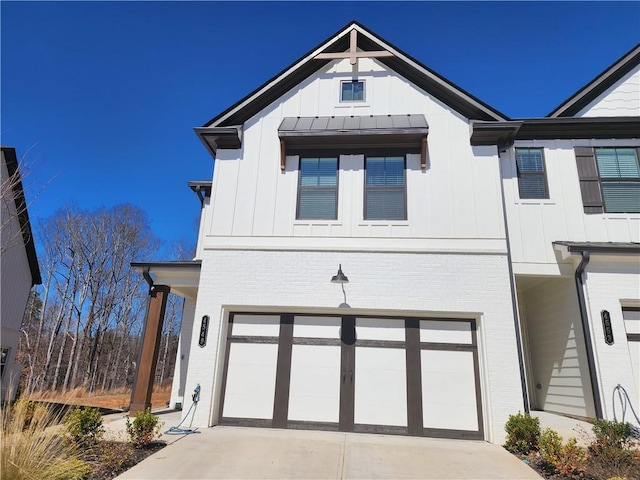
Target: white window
(385, 188)
(352, 91)
(318, 189)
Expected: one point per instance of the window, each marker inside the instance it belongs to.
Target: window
(4, 358)
(619, 179)
(385, 190)
(318, 189)
(352, 91)
(532, 180)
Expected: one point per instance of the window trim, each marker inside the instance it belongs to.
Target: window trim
(543, 173)
(352, 81)
(364, 197)
(5, 365)
(337, 186)
(602, 180)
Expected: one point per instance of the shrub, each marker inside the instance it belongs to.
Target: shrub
(612, 447)
(144, 428)
(84, 425)
(523, 432)
(567, 459)
(31, 446)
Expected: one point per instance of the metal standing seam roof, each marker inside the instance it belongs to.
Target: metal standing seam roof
(353, 124)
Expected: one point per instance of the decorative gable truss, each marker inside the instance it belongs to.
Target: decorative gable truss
(353, 42)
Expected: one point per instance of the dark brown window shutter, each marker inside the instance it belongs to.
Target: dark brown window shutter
(589, 180)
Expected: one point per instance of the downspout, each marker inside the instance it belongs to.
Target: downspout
(584, 316)
(512, 285)
(147, 277)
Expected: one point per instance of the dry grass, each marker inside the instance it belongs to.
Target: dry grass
(116, 399)
(32, 446)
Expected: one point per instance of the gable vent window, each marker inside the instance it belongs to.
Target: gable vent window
(352, 91)
(318, 189)
(609, 179)
(385, 196)
(532, 179)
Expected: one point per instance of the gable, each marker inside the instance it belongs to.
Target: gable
(621, 99)
(615, 92)
(396, 60)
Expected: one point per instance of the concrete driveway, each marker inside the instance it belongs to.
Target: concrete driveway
(243, 453)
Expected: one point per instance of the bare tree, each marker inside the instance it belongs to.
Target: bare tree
(86, 331)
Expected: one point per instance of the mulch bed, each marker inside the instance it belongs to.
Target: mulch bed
(593, 470)
(108, 459)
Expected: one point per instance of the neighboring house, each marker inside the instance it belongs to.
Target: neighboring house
(572, 193)
(19, 269)
(358, 156)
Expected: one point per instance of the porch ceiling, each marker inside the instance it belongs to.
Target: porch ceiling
(181, 277)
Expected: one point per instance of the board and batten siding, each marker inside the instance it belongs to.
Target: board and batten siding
(534, 224)
(456, 197)
(622, 99)
(558, 364)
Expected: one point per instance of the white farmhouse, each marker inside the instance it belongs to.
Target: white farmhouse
(380, 251)
(19, 269)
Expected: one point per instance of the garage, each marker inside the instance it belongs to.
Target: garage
(352, 373)
(631, 317)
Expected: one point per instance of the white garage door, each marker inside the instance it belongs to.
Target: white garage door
(364, 374)
(631, 317)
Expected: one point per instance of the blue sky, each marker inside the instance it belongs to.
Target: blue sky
(102, 97)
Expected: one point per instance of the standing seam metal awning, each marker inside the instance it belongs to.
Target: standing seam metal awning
(353, 134)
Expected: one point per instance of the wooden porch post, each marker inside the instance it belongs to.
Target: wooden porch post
(145, 373)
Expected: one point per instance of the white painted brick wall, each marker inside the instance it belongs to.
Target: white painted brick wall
(611, 284)
(429, 284)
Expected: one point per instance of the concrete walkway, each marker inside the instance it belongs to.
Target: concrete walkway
(251, 453)
(565, 426)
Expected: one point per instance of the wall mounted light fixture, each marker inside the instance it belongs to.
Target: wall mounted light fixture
(339, 277)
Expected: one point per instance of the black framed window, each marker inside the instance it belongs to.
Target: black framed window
(352, 91)
(619, 174)
(385, 189)
(532, 177)
(318, 188)
(4, 358)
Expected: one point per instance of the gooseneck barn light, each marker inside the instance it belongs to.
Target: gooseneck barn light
(339, 277)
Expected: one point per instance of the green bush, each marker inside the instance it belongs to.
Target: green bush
(523, 432)
(612, 445)
(84, 425)
(567, 459)
(144, 428)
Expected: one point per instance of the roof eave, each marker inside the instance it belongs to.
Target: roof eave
(598, 85)
(404, 64)
(23, 215)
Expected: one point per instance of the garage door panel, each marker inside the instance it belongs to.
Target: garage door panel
(380, 329)
(316, 327)
(380, 386)
(448, 390)
(251, 379)
(631, 317)
(443, 331)
(256, 325)
(314, 391)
